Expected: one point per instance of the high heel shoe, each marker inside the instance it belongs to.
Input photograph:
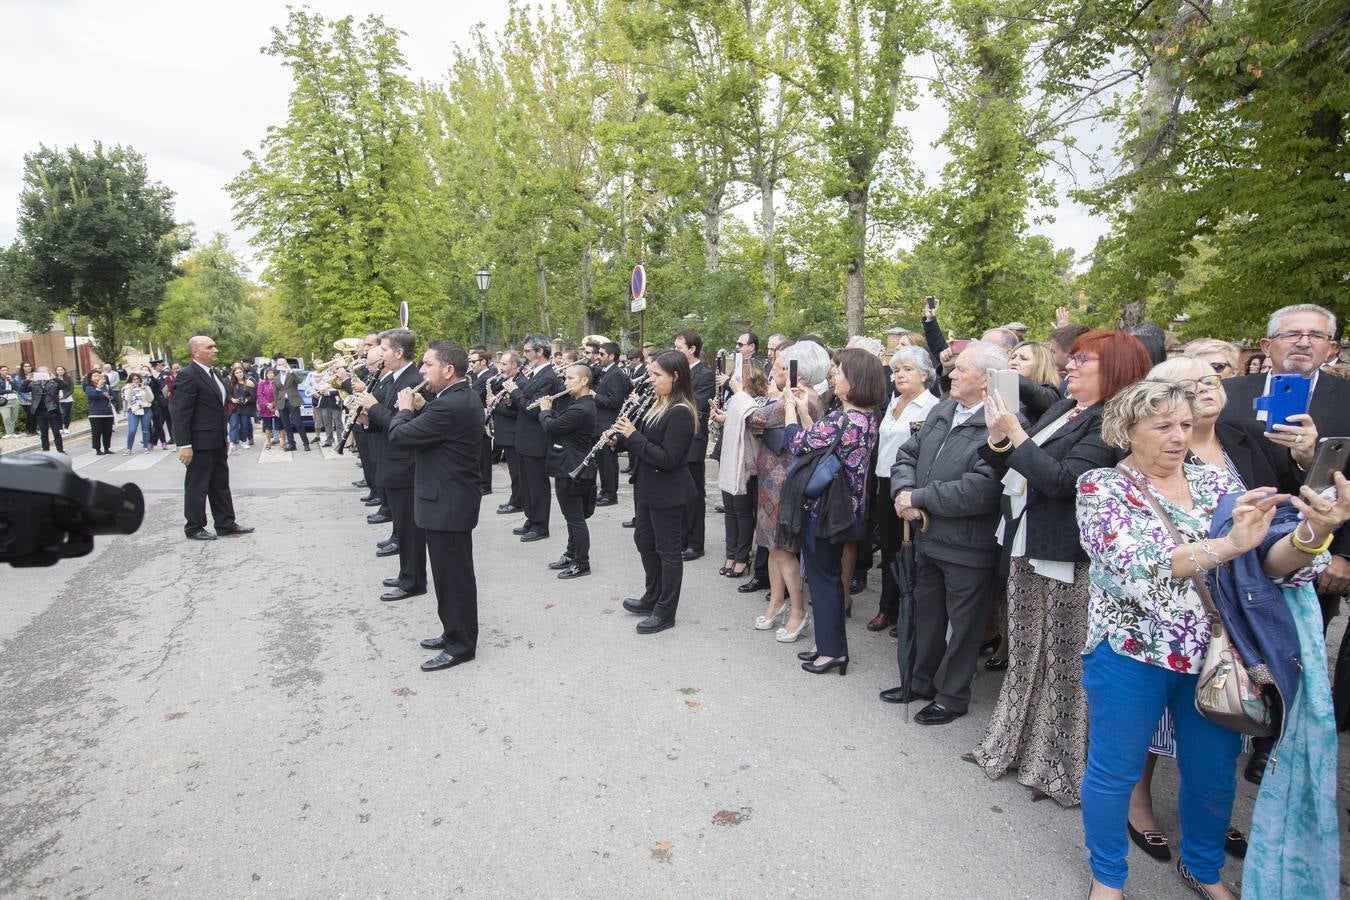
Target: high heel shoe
(787, 637)
(838, 662)
(995, 665)
(991, 645)
(808, 655)
(764, 623)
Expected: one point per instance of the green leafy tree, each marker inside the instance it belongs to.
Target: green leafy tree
(213, 296)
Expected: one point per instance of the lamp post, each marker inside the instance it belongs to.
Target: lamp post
(484, 277)
(72, 318)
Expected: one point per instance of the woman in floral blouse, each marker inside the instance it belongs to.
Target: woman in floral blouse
(1147, 632)
(860, 385)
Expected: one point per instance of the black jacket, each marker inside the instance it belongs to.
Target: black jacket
(1258, 461)
(571, 434)
(46, 395)
(198, 409)
(612, 389)
(660, 451)
(445, 440)
(395, 466)
(530, 438)
(705, 385)
(504, 416)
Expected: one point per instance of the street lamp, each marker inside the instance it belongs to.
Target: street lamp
(484, 277)
(72, 318)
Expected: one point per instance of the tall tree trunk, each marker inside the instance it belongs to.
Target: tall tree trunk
(712, 230)
(767, 231)
(591, 325)
(855, 300)
(541, 282)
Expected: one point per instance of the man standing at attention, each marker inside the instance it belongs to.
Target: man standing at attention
(199, 432)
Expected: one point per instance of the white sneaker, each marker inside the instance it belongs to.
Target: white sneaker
(126, 452)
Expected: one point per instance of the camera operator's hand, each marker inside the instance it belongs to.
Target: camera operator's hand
(185, 455)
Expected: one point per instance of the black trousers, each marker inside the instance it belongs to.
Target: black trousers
(367, 455)
(157, 421)
(513, 469)
(740, 525)
(889, 533)
(451, 555)
(695, 511)
(291, 422)
(948, 593)
(50, 421)
(412, 541)
(576, 509)
(207, 479)
(657, 537)
(823, 562)
(535, 492)
(607, 464)
(485, 463)
(100, 432)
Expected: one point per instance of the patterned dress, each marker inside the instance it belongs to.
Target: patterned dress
(771, 468)
(856, 432)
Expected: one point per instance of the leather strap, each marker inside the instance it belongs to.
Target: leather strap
(1201, 588)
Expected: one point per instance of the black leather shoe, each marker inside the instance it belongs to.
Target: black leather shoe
(521, 529)
(606, 500)
(444, 660)
(754, 585)
(289, 448)
(651, 625)
(574, 572)
(391, 550)
(377, 518)
(1256, 763)
(902, 694)
(399, 593)
(361, 483)
(307, 448)
(631, 523)
(858, 584)
(234, 531)
(372, 501)
(1235, 843)
(387, 542)
(635, 605)
(507, 509)
(838, 662)
(808, 655)
(436, 643)
(561, 563)
(690, 554)
(1154, 843)
(936, 714)
(529, 536)
(201, 536)
(390, 582)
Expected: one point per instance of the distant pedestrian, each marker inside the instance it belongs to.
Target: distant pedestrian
(101, 413)
(138, 401)
(9, 401)
(67, 394)
(46, 399)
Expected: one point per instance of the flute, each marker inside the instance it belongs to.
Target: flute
(556, 396)
(632, 411)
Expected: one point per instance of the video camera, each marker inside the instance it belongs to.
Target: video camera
(48, 513)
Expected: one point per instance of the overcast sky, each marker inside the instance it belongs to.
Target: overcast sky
(186, 85)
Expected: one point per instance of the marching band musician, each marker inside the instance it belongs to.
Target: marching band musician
(613, 385)
(442, 435)
(481, 372)
(504, 415)
(662, 487)
(531, 443)
(703, 385)
(395, 468)
(570, 434)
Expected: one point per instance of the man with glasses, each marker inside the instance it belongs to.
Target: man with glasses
(531, 442)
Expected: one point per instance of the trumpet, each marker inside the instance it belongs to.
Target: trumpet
(633, 409)
(352, 409)
(556, 396)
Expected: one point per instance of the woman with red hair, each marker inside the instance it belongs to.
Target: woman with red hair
(1039, 726)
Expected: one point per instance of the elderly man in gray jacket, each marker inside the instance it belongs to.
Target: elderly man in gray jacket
(939, 473)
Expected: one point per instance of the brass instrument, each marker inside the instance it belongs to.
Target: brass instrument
(352, 409)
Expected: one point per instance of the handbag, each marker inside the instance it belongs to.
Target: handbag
(823, 473)
(1226, 693)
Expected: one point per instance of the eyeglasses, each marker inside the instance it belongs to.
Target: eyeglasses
(740, 343)
(1081, 359)
(1294, 337)
(1191, 385)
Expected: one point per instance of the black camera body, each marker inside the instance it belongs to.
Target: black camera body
(48, 513)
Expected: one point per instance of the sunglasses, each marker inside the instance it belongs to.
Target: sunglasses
(1220, 366)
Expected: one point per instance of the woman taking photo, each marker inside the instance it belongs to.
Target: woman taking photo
(243, 395)
(138, 402)
(662, 486)
(23, 380)
(1038, 388)
(736, 472)
(67, 395)
(266, 402)
(912, 373)
(101, 413)
(571, 433)
(1039, 725)
(851, 432)
(1147, 628)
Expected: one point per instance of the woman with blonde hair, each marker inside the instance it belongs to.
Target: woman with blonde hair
(1220, 356)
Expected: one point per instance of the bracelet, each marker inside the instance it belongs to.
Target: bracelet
(999, 448)
(1218, 560)
(1310, 550)
(1190, 554)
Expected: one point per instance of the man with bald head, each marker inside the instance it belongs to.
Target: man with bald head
(199, 431)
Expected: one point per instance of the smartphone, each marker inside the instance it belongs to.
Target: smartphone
(959, 346)
(1288, 396)
(930, 303)
(1004, 383)
(1333, 455)
(739, 372)
(792, 373)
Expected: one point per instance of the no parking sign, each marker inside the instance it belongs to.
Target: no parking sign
(638, 287)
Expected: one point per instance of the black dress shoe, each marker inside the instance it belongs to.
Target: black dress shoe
(631, 523)
(445, 660)
(529, 536)
(399, 593)
(234, 530)
(902, 694)
(838, 662)
(936, 714)
(754, 585)
(858, 584)
(436, 643)
(372, 501)
(521, 529)
(386, 543)
(574, 572)
(651, 625)
(1154, 843)
(390, 582)
(506, 509)
(690, 554)
(606, 500)
(306, 448)
(201, 536)
(361, 483)
(387, 551)
(635, 605)
(377, 518)
(560, 563)
(1235, 843)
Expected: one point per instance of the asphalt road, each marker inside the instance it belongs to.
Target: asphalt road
(245, 718)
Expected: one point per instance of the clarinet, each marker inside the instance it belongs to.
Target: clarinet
(349, 418)
(632, 410)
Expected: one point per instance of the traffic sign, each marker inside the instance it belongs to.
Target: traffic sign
(637, 305)
(403, 314)
(639, 284)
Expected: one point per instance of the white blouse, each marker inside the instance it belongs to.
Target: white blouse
(893, 432)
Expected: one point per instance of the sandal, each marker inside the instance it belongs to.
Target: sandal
(732, 573)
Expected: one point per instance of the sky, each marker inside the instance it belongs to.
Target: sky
(186, 86)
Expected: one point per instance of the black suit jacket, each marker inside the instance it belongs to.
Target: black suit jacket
(613, 389)
(445, 440)
(530, 437)
(570, 428)
(660, 451)
(704, 384)
(198, 409)
(395, 467)
(1258, 461)
(504, 416)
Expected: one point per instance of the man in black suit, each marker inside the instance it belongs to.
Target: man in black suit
(199, 431)
(504, 414)
(159, 434)
(531, 442)
(444, 440)
(690, 343)
(613, 388)
(481, 372)
(395, 468)
(288, 404)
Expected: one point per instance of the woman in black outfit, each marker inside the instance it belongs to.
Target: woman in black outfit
(571, 432)
(661, 487)
(100, 395)
(67, 394)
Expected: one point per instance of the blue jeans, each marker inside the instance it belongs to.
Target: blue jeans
(1125, 698)
(141, 421)
(241, 428)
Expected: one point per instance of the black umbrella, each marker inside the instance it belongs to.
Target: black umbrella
(905, 569)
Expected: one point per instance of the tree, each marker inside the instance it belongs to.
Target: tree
(95, 236)
(213, 296)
